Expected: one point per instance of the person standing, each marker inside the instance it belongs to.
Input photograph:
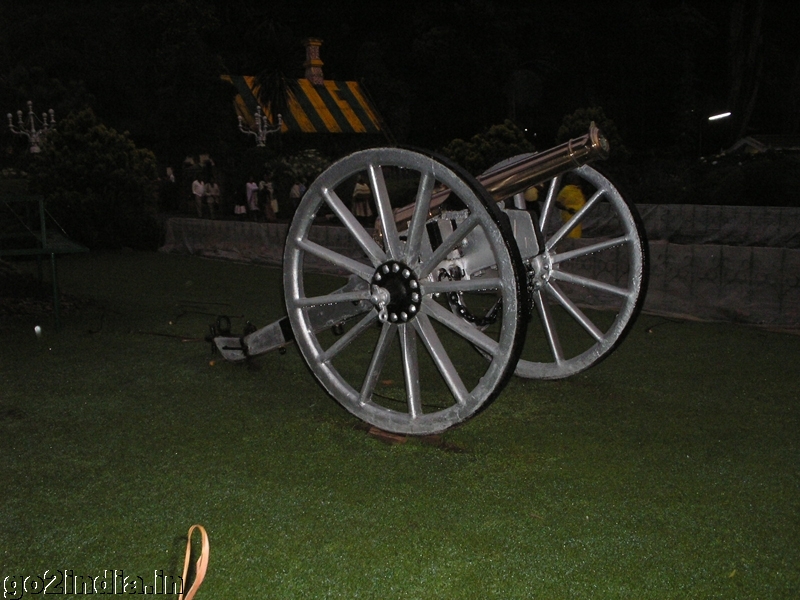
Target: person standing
(198, 190)
(361, 198)
(295, 194)
(266, 192)
(169, 191)
(212, 197)
(252, 199)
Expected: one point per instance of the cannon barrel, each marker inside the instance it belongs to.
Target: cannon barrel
(516, 176)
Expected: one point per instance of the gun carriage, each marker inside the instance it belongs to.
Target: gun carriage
(461, 284)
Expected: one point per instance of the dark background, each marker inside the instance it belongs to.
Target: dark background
(436, 69)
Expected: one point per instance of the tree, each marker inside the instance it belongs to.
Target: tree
(188, 106)
(746, 62)
(278, 73)
(389, 92)
(460, 58)
(577, 123)
(488, 148)
(98, 185)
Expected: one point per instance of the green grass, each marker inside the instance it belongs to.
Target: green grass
(671, 470)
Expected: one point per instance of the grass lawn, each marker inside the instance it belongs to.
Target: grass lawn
(671, 470)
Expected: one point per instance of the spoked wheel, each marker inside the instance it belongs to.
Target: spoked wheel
(588, 282)
(401, 360)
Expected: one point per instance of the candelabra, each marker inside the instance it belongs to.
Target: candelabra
(29, 129)
(263, 127)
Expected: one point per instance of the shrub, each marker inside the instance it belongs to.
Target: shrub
(98, 185)
(304, 166)
(767, 179)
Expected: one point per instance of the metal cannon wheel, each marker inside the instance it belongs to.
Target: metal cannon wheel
(400, 359)
(589, 280)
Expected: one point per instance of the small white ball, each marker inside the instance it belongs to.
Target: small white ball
(38, 331)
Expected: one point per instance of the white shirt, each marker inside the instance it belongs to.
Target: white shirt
(252, 195)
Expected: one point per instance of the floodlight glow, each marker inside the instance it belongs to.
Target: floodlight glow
(719, 116)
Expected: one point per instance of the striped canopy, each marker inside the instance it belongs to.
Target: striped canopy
(334, 107)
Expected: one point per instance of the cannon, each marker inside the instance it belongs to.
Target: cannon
(419, 322)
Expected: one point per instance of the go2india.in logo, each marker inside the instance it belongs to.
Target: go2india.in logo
(112, 581)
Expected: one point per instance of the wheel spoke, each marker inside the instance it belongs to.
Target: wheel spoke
(353, 366)
(353, 266)
(364, 239)
(408, 348)
(616, 246)
(586, 250)
(448, 245)
(376, 364)
(590, 283)
(349, 336)
(416, 228)
(440, 357)
(549, 202)
(574, 311)
(384, 205)
(574, 221)
(478, 284)
(466, 330)
(549, 326)
(334, 298)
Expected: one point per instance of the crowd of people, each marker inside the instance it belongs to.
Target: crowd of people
(260, 200)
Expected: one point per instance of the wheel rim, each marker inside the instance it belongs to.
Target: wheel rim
(586, 292)
(403, 362)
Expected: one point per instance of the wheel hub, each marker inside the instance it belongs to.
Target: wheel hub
(541, 268)
(395, 292)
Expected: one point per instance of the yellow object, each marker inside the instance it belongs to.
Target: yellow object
(531, 194)
(572, 199)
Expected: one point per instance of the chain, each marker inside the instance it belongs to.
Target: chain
(457, 305)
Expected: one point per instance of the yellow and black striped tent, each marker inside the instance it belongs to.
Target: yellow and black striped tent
(333, 107)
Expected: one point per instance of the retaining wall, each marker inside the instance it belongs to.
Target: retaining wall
(715, 263)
